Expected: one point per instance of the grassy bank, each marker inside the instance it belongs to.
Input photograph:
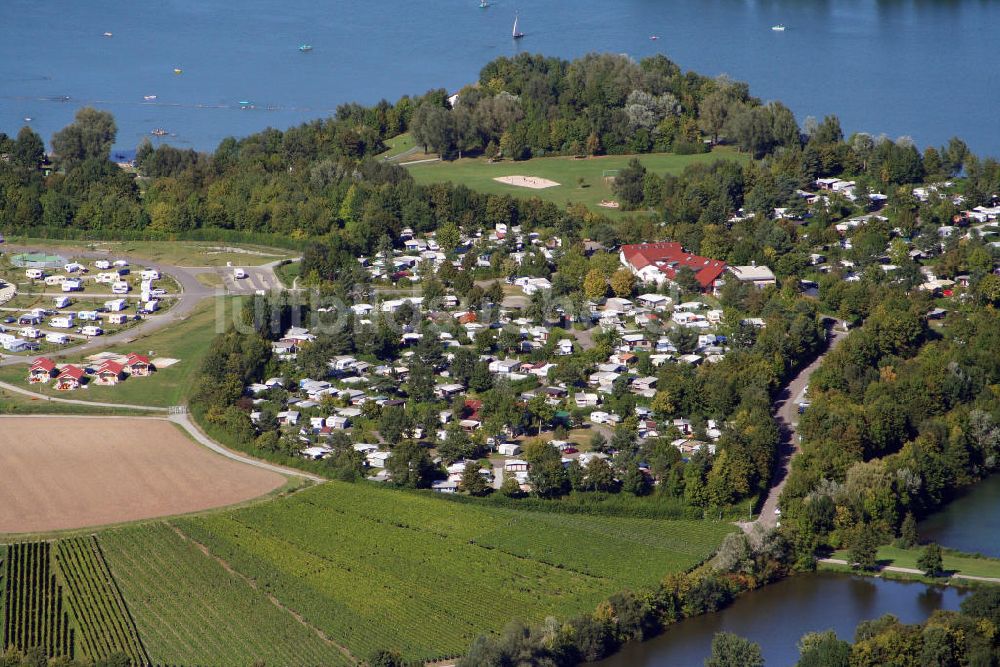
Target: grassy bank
(478, 174)
(954, 562)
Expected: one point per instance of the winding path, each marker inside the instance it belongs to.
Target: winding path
(786, 413)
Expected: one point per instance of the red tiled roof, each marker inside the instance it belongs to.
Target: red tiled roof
(112, 366)
(670, 256)
(134, 358)
(71, 371)
(43, 364)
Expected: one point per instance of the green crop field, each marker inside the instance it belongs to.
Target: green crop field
(478, 174)
(190, 610)
(374, 568)
(105, 626)
(34, 615)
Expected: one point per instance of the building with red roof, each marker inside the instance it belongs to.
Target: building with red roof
(70, 377)
(660, 262)
(138, 365)
(110, 373)
(42, 370)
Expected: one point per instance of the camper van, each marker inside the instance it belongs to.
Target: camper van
(151, 306)
(62, 321)
(34, 274)
(61, 301)
(57, 338)
(52, 281)
(118, 318)
(107, 277)
(102, 264)
(72, 285)
(92, 330)
(239, 274)
(120, 287)
(89, 315)
(115, 305)
(150, 274)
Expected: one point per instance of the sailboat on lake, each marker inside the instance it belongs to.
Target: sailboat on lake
(515, 34)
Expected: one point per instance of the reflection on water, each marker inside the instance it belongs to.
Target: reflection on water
(778, 615)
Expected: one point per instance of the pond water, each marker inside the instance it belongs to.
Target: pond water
(970, 523)
(777, 616)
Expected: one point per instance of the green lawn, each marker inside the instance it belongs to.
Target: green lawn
(287, 273)
(17, 404)
(397, 146)
(954, 561)
(187, 341)
(375, 568)
(478, 174)
(178, 253)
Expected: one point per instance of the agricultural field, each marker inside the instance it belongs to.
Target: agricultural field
(178, 253)
(190, 609)
(478, 174)
(34, 615)
(105, 627)
(187, 342)
(63, 473)
(373, 568)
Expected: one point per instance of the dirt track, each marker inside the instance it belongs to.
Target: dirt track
(60, 473)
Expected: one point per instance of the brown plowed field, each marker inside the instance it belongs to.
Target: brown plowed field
(59, 473)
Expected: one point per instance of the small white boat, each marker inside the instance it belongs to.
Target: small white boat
(178, 70)
(149, 98)
(778, 28)
(483, 4)
(515, 34)
(654, 37)
(159, 132)
(108, 34)
(28, 119)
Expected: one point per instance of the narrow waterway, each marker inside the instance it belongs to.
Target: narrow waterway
(777, 616)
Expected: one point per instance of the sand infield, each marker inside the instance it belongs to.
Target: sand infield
(58, 473)
(533, 182)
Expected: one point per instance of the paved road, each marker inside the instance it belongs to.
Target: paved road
(910, 570)
(192, 293)
(786, 413)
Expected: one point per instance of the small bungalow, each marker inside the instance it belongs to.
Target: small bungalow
(69, 378)
(110, 373)
(42, 369)
(138, 365)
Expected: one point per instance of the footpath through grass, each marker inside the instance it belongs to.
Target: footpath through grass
(478, 174)
(375, 568)
(954, 562)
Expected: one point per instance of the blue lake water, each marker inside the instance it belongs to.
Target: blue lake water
(924, 68)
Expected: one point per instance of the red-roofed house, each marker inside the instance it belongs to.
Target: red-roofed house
(138, 365)
(110, 373)
(659, 262)
(70, 377)
(42, 369)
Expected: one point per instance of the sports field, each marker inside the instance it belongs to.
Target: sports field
(62, 473)
(478, 174)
